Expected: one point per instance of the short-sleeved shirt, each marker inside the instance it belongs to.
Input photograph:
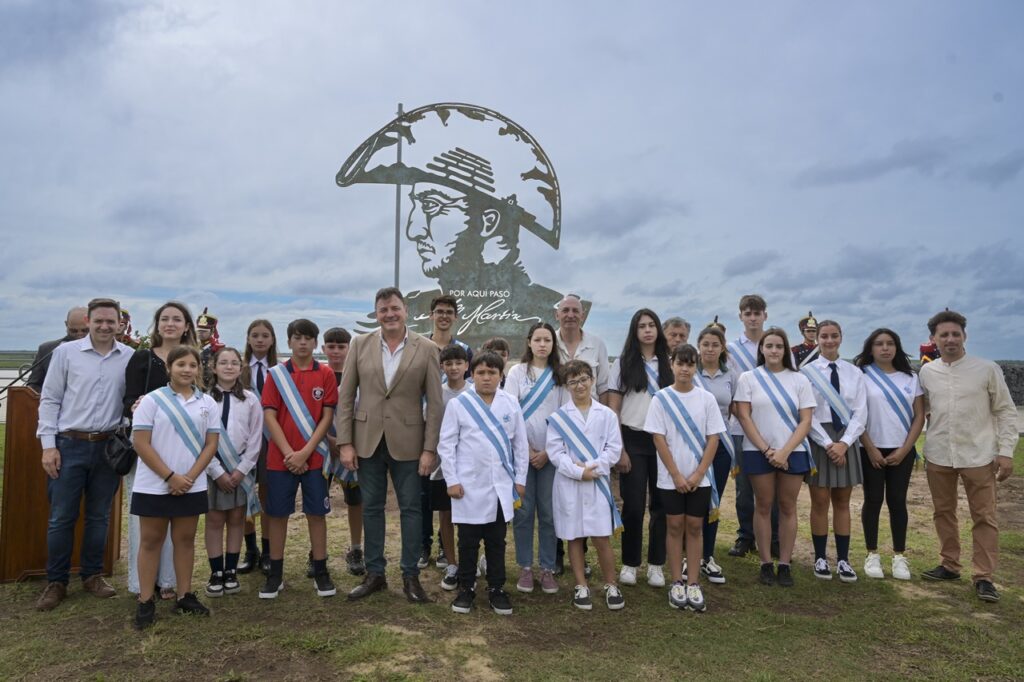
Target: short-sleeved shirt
(884, 427)
(149, 416)
(318, 389)
(635, 404)
(722, 386)
(762, 410)
(703, 408)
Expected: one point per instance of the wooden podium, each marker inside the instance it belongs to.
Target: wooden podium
(26, 508)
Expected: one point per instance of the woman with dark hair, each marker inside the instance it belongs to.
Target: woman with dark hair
(774, 405)
(537, 384)
(839, 420)
(713, 375)
(638, 373)
(173, 326)
(895, 418)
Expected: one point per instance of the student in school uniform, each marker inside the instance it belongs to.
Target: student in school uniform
(260, 355)
(713, 375)
(536, 382)
(299, 400)
(743, 358)
(775, 403)
(839, 420)
(686, 424)
(454, 363)
(232, 472)
(484, 457)
(896, 413)
(335, 348)
(147, 371)
(637, 374)
(174, 431)
(584, 444)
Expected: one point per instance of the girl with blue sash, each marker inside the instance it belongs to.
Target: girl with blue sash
(584, 444)
(640, 371)
(895, 419)
(175, 431)
(839, 421)
(774, 404)
(231, 490)
(536, 383)
(713, 375)
(686, 424)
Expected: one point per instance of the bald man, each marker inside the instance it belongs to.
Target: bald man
(75, 327)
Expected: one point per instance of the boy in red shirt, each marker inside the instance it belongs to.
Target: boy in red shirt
(299, 399)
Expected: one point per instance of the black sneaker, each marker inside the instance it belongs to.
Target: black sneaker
(767, 574)
(354, 560)
(215, 585)
(986, 591)
(499, 601)
(190, 605)
(249, 561)
(442, 559)
(324, 586)
(785, 577)
(265, 563)
(424, 559)
(272, 587)
(712, 571)
(742, 547)
(940, 572)
(231, 585)
(145, 613)
(310, 571)
(463, 602)
(450, 581)
(581, 598)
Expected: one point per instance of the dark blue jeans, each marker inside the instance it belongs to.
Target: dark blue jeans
(373, 479)
(745, 502)
(83, 472)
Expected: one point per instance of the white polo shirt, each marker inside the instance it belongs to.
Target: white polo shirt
(205, 414)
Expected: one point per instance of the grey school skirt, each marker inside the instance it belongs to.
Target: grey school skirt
(222, 501)
(829, 475)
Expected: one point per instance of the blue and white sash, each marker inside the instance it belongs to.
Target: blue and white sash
(180, 419)
(777, 394)
(896, 399)
(825, 388)
(695, 440)
(230, 459)
(744, 359)
(724, 438)
(302, 418)
(536, 396)
(579, 445)
(495, 432)
(652, 380)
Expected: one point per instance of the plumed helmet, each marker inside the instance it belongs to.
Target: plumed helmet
(472, 150)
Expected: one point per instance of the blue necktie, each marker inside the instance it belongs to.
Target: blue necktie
(225, 409)
(837, 423)
(259, 378)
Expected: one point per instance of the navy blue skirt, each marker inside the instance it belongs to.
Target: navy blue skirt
(755, 463)
(169, 506)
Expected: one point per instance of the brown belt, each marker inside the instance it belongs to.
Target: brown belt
(91, 436)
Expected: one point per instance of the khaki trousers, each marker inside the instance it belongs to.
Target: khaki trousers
(980, 486)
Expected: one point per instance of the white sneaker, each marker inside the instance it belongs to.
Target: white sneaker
(450, 581)
(873, 566)
(695, 598)
(677, 595)
(627, 576)
(655, 576)
(900, 568)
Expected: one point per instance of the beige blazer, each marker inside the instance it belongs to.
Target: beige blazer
(397, 413)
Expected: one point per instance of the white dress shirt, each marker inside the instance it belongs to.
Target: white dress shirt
(245, 429)
(391, 360)
(736, 369)
(852, 390)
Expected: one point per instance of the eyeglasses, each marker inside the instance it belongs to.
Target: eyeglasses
(582, 381)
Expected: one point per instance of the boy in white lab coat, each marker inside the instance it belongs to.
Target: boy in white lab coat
(484, 459)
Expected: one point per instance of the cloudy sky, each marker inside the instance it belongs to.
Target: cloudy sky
(863, 160)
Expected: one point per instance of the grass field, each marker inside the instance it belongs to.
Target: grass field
(14, 359)
(867, 630)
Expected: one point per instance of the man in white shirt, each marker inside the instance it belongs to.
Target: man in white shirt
(79, 409)
(972, 432)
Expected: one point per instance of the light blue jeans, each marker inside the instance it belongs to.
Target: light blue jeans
(536, 502)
